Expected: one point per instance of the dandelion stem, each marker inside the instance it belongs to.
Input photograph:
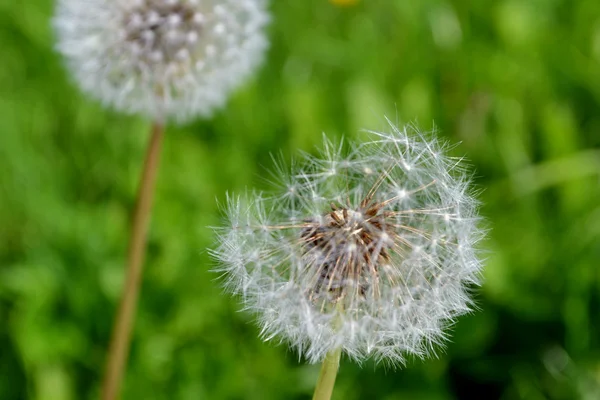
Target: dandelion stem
(121, 335)
(329, 371)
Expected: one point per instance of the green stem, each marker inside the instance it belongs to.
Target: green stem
(329, 370)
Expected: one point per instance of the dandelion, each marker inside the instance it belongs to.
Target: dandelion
(344, 2)
(165, 60)
(369, 252)
(161, 58)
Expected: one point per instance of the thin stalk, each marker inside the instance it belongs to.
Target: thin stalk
(121, 335)
(329, 371)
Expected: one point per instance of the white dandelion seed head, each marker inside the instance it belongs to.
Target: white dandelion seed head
(376, 259)
(161, 58)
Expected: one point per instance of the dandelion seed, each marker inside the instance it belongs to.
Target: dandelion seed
(374, 261)
(161, 58)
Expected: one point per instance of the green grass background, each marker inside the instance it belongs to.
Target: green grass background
(517, 82)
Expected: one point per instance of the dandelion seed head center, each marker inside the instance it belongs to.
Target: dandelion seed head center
(163, 31)
(351, 245)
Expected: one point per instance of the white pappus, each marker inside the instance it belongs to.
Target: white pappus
(371, 250)
(165, 59)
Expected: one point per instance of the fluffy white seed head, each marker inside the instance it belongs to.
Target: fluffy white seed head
(161, 58)
(371, 250)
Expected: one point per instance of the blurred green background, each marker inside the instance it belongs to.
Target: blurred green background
(517, 82)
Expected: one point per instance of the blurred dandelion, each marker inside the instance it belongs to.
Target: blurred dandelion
(166, 60)
(161, 58)
(370, 252)
(344, 2)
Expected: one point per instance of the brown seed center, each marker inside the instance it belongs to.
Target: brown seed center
(163, 31)
(344, 250)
